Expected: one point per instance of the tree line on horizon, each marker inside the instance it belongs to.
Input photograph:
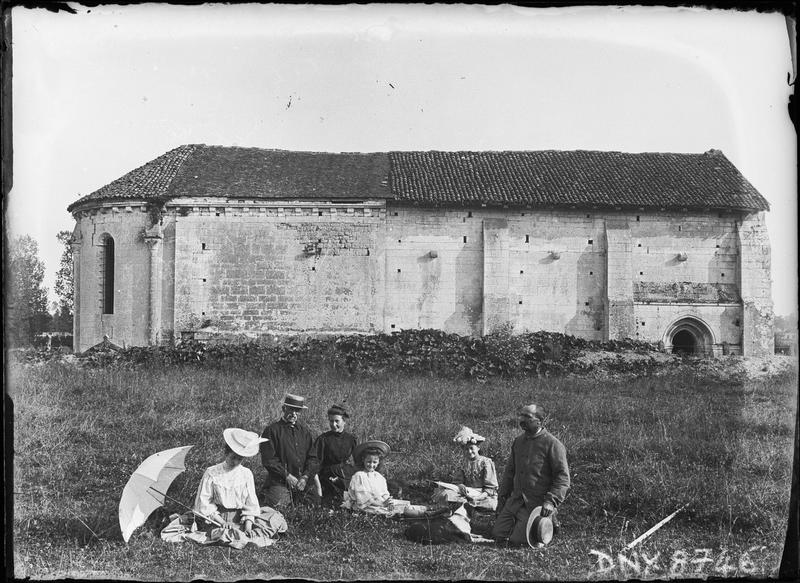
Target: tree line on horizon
(25, 299)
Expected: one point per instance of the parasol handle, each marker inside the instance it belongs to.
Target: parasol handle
(192, 510)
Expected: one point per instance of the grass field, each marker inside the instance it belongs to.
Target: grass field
(639, 448)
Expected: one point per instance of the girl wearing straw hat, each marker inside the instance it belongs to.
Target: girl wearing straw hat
(368, 491)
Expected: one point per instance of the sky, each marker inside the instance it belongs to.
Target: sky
(101, 92)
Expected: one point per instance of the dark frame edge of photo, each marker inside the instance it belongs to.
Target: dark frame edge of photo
(7, 180)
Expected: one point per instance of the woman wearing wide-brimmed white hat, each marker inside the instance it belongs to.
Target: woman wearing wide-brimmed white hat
(227, 497)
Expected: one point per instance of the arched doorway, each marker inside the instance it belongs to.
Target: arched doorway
(689, 336)
(684, 342)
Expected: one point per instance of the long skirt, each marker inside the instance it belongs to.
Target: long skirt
(398, 507)
(334, 481)
(443, 495)
(266, 525)
(453, 528)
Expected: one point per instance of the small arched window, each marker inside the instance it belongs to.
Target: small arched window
(107, 274)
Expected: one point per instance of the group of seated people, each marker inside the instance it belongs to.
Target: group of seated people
(333, 469)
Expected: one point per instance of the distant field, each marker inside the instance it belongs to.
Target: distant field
(639, 448)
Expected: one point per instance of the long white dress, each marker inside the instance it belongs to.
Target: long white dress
(223, 490)
(368, 493)
(227, 496)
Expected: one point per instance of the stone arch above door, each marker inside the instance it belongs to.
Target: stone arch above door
(689, 335)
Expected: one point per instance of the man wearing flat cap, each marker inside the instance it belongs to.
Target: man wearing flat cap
(536, 477)
(289, 457)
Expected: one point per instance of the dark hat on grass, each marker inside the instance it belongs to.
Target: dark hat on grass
(539, 528)
(360, 450)
(294, 401)
(338, 410)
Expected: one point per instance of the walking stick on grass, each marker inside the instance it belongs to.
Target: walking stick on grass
(179, 503)
(653, 529)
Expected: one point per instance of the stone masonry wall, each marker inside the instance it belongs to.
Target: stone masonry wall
(755, 282)
(684, 247)
(128, 324)
(694, 258)
(434, 270)
(494, 268)
(257, 267)
(651, 321)
(291, 268)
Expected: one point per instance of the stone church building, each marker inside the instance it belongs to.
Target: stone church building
(235, 241)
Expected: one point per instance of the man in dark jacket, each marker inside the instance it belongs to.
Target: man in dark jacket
(536, 474)
(289, 457)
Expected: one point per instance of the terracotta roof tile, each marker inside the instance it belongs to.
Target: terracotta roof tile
(579, 178)
(146, 182)
(516, 179)
(258, 173)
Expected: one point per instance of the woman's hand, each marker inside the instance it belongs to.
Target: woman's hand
(291, 481)
(229, 524)
(462, 489)
(248, 526)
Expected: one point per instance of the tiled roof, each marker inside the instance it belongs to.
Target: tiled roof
(257, 173)
(146, 182)
(573, 178)
(548, 178)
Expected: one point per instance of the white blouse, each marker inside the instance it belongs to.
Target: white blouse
(367, 489)
(232, 489)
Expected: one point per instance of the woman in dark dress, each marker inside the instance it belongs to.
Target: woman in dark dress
(334, 451)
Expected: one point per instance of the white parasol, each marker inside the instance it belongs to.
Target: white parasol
(146, 489)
